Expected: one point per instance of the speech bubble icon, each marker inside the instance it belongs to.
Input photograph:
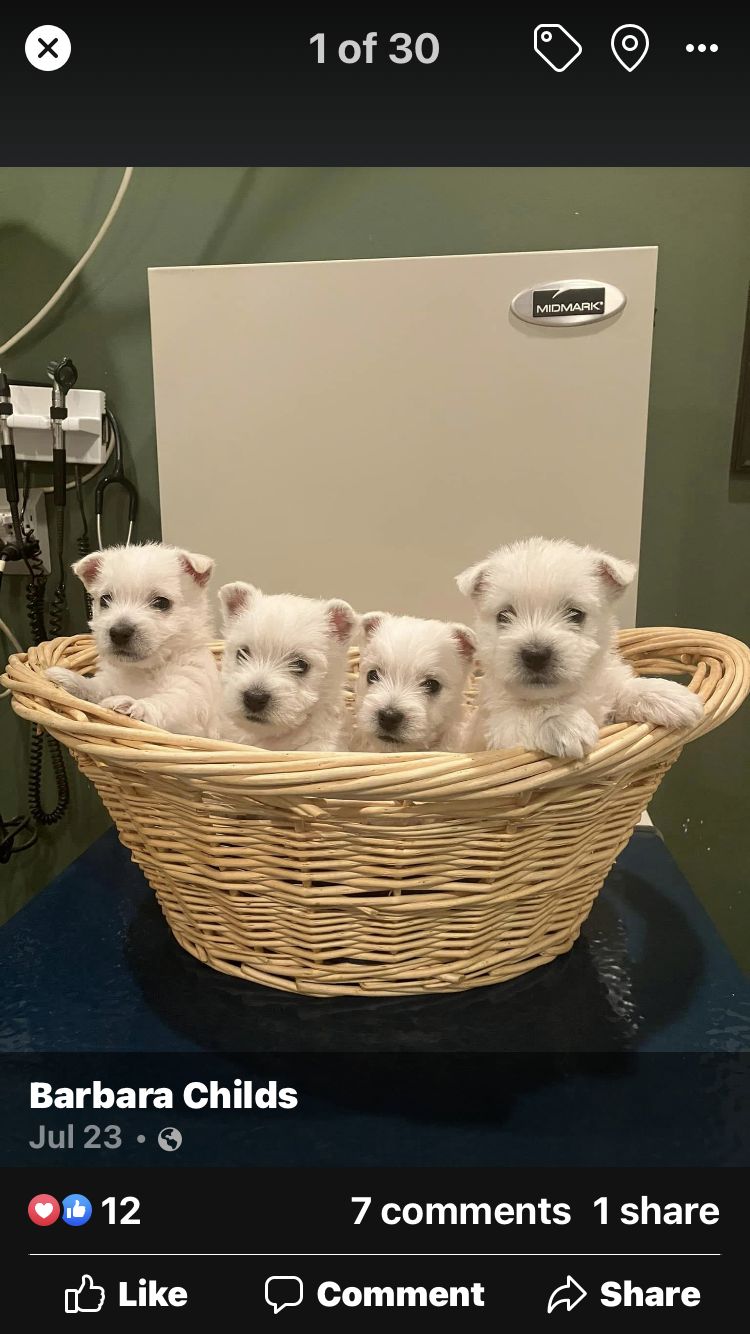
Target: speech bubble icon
(284, 1290)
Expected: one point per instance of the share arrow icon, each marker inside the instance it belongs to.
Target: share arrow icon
(568, 1294)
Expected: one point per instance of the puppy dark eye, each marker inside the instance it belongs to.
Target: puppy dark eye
(243, 653)
(372, 677)
(105, 599)
(575, 615)
(160, 604)
(506, 615)
(431, 686)
(300, 666)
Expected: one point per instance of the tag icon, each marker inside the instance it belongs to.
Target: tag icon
(629, 45)
(557, 47)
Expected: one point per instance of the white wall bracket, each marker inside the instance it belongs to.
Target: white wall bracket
(83, 426)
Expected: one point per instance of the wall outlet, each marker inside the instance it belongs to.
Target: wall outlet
(36, 518)
(83, 426)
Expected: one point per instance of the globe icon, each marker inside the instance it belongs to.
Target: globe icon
(169, 1139)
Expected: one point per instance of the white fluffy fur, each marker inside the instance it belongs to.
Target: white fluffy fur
(165, 674)
(267, 640)
(536, 587)
(409, 657)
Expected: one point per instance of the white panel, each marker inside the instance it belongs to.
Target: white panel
(366, 428)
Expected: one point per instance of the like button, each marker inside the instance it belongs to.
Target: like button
(86, 1300)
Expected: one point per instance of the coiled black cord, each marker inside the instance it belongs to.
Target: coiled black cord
(83, 542)
(57, 607)
(35, 590)
(36, 761)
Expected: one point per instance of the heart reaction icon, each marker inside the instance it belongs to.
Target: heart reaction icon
(44, 1210)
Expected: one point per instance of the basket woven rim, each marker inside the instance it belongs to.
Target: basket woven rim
(718, 665)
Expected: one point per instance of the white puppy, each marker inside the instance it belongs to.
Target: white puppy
(284, 667)
(152, 626)
(412, 677)
(546, 633)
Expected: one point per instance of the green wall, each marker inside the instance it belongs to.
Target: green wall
(696, 538)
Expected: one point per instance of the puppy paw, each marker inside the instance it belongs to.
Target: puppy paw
(65, 678)
(73, 682)
(664, 703)
(568, 735)
(134, 708)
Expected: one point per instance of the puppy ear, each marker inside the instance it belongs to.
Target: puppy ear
(341, 619)
(473, 582)
(370, 622)
(614, 574)
(465, 641)
(234, 599)
(87, 569)
(200, 568)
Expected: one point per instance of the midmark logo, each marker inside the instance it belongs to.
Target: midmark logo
(568, 301)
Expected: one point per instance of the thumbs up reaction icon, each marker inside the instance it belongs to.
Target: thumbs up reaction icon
(76, 1210)
(86, 1300)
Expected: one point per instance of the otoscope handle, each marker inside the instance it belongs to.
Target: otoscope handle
(58, 477)
(10, 475)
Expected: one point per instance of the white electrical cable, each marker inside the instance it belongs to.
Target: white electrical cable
(37, 319)
(6, 630)
(74, 272)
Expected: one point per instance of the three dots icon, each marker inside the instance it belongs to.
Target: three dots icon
(701, 47)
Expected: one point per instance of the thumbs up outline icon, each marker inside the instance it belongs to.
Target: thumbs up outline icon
(88, 1299)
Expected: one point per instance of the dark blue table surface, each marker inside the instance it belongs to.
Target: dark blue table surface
(90, 965)
(627, 1051)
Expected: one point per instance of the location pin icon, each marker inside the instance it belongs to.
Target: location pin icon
(629, 45)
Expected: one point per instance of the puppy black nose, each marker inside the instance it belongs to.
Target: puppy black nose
(536, 659)
(121, 634)
(389, 720)
(255, 701)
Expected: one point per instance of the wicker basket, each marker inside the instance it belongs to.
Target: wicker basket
(352, 874)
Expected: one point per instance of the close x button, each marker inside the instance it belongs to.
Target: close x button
(47, 48)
